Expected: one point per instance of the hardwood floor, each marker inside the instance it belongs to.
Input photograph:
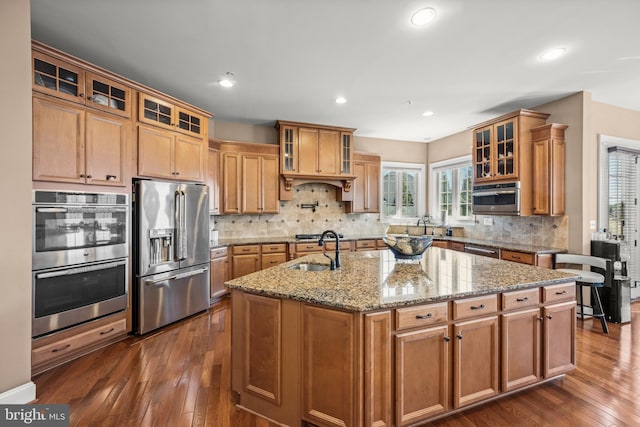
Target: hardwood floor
(180, 376)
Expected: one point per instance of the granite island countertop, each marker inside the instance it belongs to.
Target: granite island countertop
(375, 280)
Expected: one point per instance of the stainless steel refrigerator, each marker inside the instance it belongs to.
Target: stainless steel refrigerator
(171, 252)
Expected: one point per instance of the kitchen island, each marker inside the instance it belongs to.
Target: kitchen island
(381, 343)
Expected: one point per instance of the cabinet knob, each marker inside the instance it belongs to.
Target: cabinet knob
(549, 317)
(81, 175)
(540, 318)
(111, 177)
(81, 95)
(459, 336)
(447, 339)
(176, 173)
(89, 176)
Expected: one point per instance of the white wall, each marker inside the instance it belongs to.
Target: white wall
(15, 216)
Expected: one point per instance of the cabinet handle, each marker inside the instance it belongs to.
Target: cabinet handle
(540, 318)
(81, 175)
(549, 317)
(177, 173)
(561, 293)
(477, 307)
(107, 332)
(426, 316)
(515, 257)
(447, 339)
(81, 95)
(89, 176)
(55, 350)
(111, 177)
(459, 336)
(246, 249)
(522, 299)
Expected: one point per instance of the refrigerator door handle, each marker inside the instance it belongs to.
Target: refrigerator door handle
(183, 223)
(161, 282)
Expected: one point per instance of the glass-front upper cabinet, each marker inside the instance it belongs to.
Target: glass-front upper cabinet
(346, 154)
(55, 77)
(162, 113)
(495, 151)
(107, 95)
(505, 148)
(288, 148)
(482, 153)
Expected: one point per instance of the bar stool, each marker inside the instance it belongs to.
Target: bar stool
(589, 279)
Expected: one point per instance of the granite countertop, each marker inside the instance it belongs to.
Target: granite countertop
(487, 243)
(374, 280)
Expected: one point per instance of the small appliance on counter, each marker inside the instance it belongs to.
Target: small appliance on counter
(171, 252)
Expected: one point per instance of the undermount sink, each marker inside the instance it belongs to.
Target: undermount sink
(305, 266)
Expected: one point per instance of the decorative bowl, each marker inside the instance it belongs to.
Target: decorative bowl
(406, 246)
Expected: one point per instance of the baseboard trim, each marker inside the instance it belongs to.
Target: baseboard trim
(20, 395)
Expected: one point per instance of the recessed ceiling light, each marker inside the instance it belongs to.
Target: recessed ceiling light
(229, 80)
(428, 113)
(341, 100)
(423, 16)
(552, 54)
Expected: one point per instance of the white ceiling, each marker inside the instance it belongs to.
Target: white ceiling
(292, 58)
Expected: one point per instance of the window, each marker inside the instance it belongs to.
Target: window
(452, 184)
(402, 190)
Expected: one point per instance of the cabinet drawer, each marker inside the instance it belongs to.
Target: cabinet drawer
(365, 244)
(380, 244)
(520, 299)
(271, 260)
(564, 292)
(473, 307)
(520, 257)
(421, 315)
(344, 246)
(441, 244)
(456, 246)
(308, 247)
(274, 248)
(60, 349)
(218, 253)
(246, 249)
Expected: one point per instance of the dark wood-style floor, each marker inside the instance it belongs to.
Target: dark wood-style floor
(181, 377)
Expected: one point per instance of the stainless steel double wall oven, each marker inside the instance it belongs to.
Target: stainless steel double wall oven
(80, 258)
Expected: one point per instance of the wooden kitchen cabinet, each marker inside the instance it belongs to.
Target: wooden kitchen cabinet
(559, 329)
(250, 178)
(329, 367)
(475, 350)
(213, 179)
(245, 260)
(273, 254)
(366, 187)
(218, 272)
(377, 369)
(549, 169)
(62, 79)
(165, 154)
(73, 144)
(521, 327)
(161, 112)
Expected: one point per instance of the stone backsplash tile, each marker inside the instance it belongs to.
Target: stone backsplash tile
(293, 219)
(546, 231)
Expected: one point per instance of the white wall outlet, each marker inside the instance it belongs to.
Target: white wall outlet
(593, 225)
(487, 221)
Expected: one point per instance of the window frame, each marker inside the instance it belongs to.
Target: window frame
(434, 191)
(420, 168)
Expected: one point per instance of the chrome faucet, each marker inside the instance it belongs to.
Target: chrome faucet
(425, 220)
(334, 263)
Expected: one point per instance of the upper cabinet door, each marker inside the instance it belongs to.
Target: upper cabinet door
(189, 158)
(189, 122)
(155, 152)
(346, 154)
(107, 95)
(329, 149)
(482, 154)
(307, 151)
(58, 78)
(289, 149)
(106, 148)
(58, 141)
(506, 149)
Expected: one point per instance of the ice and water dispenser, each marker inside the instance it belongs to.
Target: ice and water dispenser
(161, 245)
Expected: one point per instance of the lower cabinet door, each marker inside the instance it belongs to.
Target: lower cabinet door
(422, 374)
(520, 348)
(475, 360)
(559, 354)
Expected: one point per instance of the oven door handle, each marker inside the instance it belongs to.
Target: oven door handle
(158, 282)
(494, 193)
(52, 210)
(79, 270)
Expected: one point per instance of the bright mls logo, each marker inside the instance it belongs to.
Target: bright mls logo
(34, 415)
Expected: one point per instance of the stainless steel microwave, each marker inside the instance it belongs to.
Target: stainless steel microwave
(496, 199)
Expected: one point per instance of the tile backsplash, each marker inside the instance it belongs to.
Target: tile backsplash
(546, 231)
(293, 219)
(329, 215)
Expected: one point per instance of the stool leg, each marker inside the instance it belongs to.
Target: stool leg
(580, 302)
(598, 305)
